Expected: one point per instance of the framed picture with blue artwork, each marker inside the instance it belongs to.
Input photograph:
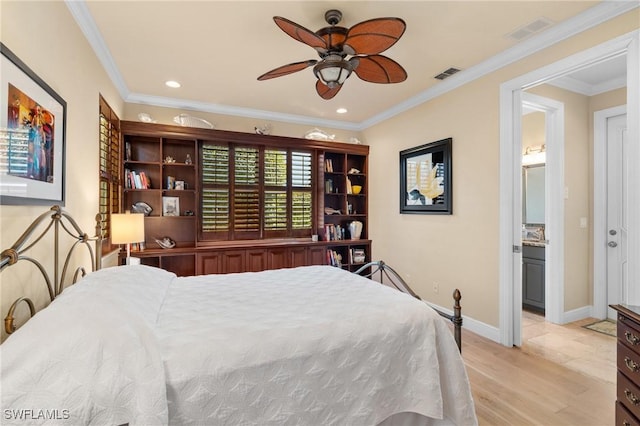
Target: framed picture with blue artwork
(32, 136)
(425, 179)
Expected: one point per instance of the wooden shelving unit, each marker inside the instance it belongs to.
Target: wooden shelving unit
(343, 205)
(146, 148)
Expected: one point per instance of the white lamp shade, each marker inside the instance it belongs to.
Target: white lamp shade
(127, 228)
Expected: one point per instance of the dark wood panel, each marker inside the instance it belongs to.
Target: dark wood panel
(209, 263)
(298, 256)
(256, 260)
(181, 265)
(233, 261)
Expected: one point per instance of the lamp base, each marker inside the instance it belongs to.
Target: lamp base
(133, 261)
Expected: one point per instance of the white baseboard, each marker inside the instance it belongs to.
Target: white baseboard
(485, 330)
(577, 314)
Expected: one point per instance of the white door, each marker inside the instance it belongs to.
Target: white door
(616, 253)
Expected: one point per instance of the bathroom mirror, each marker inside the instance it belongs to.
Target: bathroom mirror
(533, 194)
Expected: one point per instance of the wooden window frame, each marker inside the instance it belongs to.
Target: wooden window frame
(108, 171)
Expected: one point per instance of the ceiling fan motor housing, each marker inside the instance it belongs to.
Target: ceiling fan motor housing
(333, 16)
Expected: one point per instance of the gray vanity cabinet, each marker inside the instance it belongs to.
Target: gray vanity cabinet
(533, 259)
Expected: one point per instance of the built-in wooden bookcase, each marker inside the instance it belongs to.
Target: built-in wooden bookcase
(163, 161)
(343, 205)
(168, 154)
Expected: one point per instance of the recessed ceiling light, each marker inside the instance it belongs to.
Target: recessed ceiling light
(341, 110)
(173, 84)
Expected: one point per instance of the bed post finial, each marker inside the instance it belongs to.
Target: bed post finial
(457, 318)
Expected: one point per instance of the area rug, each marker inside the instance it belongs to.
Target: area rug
(604, 327)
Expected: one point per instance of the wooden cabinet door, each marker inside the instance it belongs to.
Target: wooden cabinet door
(317, 256)
(278, 257)
(233, 261)
(209, 263)
(181, 265)
(298, 256)
(256, 260)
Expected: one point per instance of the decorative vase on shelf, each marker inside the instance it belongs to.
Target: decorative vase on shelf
(355, 229)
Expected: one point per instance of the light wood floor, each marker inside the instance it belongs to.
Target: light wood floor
(570, 380)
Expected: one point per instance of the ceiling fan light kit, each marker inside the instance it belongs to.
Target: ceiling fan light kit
(363, 42)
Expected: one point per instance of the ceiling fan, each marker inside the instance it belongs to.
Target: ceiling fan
(363, 42)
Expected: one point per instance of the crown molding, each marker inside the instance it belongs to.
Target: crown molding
(81, 14)
(594, 16)
(139, 98)
(586, 89)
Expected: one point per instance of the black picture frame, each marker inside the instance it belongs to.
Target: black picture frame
(33, 119)
(425, 179)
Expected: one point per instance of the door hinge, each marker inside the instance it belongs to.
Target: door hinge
(517, 249)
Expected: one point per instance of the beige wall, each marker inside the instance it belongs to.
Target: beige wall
(45, 36)
(461, 250)
(533, 130)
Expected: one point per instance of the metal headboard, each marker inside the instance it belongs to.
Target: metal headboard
(384, 271)
(54, 220)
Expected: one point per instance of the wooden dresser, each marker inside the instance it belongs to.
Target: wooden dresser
(628, 361)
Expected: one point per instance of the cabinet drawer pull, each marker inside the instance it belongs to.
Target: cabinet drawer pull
(631, 338)
(631, 397)
(631, 364)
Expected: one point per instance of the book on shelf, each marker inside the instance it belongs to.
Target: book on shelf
(334, 232)
(328, 165)
(334, 258)
(135, 180)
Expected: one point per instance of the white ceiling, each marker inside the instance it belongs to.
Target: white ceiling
(217, 49)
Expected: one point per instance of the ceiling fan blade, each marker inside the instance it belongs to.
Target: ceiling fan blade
(325, 92)
(373, 36)
(287, 69)
(379, 69)
(301, 34)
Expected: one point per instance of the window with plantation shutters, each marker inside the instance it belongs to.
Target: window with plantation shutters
(215, 190)
(109, 169)
(253, 192)
(275, 195)
(246, 192)
(301, 200)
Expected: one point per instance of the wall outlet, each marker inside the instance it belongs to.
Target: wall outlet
(436, 287)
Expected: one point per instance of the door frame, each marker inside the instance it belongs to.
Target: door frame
(600, 214)
(510, 163)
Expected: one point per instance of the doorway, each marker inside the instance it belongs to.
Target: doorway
(510, 210)
(554, 208)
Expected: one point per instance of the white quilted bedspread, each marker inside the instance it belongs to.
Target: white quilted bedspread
(306, 346)
(91, 357)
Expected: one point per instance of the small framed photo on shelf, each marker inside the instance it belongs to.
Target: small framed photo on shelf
(170, 206)
(179, 186)
(171, 182)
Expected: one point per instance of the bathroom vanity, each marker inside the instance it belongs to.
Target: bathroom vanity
(533, 272)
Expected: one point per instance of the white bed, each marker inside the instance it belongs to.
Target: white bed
(305, 346)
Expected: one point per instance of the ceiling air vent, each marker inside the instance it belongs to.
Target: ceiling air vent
(447, 73)
(529, 29)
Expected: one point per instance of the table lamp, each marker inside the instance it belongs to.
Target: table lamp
(127, 228)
